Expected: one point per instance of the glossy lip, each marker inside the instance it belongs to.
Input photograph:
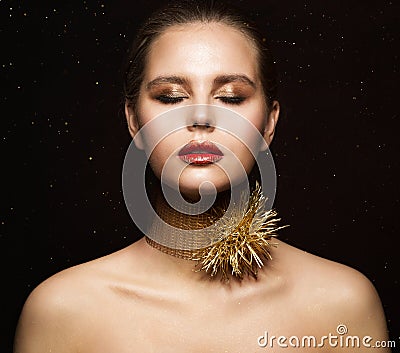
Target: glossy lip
(200, 153)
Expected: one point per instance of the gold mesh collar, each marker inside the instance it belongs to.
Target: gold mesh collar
(244, 238)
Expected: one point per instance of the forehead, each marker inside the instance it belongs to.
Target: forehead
(202, 49)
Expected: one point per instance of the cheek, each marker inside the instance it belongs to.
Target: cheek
(247, 147)
(256, 115)
(245, 156)
(148, 108)
(251, 131)
(145, 111)
(156, 161)
(165, 149)
(158, 157)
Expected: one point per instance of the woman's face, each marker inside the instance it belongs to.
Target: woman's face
(202, 64)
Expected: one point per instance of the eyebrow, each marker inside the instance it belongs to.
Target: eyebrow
(224, 79)
(178, 80)
(219, 80)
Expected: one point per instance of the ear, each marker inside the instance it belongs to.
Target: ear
(269, 128)
(133, 126)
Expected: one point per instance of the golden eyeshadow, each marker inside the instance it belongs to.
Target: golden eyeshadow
(235, 90)
(168, 91)
(167, 87)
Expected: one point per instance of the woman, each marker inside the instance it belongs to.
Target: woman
(146, 297)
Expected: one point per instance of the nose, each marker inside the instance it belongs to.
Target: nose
(201, 117)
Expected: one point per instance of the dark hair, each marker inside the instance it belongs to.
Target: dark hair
(186, 12)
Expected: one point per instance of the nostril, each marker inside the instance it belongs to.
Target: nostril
(206, 125)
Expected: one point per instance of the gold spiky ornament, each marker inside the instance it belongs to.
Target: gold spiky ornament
(243, 242)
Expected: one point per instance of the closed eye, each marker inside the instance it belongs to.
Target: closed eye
(231, 100)
(166, 99)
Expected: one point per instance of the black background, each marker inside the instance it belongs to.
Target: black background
(64, 137)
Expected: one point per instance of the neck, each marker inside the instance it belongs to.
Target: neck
(167, 233)
(238, 244)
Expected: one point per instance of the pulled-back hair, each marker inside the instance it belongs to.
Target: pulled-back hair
(188, 12)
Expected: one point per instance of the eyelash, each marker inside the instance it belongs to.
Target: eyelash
(236, 100)
(169, 100)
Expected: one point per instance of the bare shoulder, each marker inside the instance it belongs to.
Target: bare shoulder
(336, 292)
(341, 280)
(54, 314)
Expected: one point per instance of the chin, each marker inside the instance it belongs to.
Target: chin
(209, 178)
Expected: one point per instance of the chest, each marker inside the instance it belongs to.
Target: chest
(168, 327)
